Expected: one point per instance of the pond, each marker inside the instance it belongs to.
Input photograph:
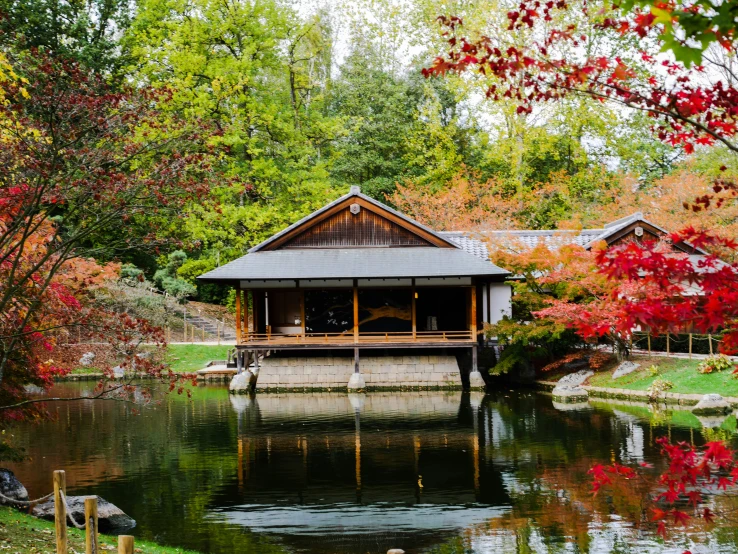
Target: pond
(442, 472)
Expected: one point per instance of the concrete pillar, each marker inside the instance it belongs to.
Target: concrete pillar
(476, 382)
(356, 382)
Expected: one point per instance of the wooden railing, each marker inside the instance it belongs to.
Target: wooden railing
(363, 338)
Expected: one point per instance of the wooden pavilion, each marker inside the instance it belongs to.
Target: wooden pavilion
(356, 274)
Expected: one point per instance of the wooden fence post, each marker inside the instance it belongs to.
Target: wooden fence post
(60, 511)
(690, 346)
(91, 546)
(667, 344)
(709, 338)
(125, 544)
(649, 343)
(203, 334)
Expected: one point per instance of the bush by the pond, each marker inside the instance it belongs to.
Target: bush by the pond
(715, 363)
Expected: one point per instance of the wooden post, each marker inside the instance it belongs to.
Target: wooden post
(690, 346)
(414, 311)
(473, 313)
(709, 338)
(668, 348)
(91, 546)
(185, 326)
(245, 310)
(125, 544)
(302, 313)
(238, 316)
(60, 512)
(203, 334)
(356, 311)
(649, 343)
(255, 300)
(217, 326)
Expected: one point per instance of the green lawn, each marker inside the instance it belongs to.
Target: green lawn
(20, 532)
(186, 358)
(683, 373)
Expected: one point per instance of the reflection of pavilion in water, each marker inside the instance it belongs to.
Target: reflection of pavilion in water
(378, 468)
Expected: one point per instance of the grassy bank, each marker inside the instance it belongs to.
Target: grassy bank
(20, 532)
(186, 358)
(183, 358)
(681, 372)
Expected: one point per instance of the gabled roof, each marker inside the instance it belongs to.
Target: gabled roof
(353, 195)
(434, 255)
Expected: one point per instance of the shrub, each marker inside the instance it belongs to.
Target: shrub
(658, 387)
(715, 363)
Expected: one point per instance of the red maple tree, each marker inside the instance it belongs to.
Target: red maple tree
(88, 173)
(540, 61)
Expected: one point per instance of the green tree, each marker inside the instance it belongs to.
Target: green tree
(84, 31)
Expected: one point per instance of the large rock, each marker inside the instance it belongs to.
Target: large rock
(476, 381)
(568, 389)
(111, 519)
(575, 379)
(625, 368)
(243, 383)
(712, 404)
(10, 487)
(569, 394)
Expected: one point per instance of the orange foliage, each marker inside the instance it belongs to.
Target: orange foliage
(463, 204)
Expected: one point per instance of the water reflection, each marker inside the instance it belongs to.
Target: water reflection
(424, 471)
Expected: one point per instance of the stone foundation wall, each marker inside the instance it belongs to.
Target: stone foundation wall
(378, 372)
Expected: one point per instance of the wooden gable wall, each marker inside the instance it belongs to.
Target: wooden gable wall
(363, 229)
(650, 233)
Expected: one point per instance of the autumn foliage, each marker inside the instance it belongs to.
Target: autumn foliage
(82, 164)
(549, 62)
(692, 473)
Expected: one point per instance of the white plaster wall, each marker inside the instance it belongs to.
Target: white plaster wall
(500, 300)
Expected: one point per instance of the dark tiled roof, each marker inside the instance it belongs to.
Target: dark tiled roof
(355, 263)
(479, 243)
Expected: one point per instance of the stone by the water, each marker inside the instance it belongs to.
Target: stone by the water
(242, 383)
(571, 406)
(575, 379)
(625, 368)
(111, 519)
(568, 389)
(569, 394)
(356, 382)
(712, 404)
(11, 487)
(476, 381)
(87, 358)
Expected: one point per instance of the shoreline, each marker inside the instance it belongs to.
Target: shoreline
(681, 399)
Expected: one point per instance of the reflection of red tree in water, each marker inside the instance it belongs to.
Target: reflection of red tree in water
(678, 494)
(558, 501)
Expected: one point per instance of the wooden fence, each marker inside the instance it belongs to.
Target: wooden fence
(682, 343)
(92, 543)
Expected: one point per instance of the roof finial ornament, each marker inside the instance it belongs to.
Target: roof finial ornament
(355, 190)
